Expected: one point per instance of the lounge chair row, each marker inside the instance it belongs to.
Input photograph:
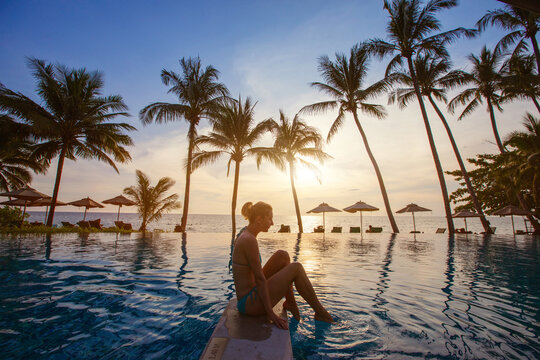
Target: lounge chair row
(96, 224)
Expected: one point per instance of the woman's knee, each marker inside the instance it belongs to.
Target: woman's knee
(283, 257)
(298, 267)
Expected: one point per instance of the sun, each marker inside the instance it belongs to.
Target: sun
(307, 176)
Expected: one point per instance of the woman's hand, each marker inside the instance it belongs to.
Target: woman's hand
(279, 321)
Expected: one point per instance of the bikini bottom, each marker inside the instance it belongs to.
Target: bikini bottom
(241, 305)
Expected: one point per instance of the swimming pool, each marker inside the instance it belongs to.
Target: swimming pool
(109, 296)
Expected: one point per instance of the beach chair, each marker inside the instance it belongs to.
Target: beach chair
(336, 229)
(177, 228)
(493, 228)
(36, 223)
(373, 229)
(440, 231)
(318, 229)
(67, 224)
(355, 229)
(127, 226)
(84, 224)
(95, 224)
(284, 229)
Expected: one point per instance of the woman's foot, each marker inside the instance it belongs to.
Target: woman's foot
(326, 317)
(293, 309)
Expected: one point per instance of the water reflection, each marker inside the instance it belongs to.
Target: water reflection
(383, 282)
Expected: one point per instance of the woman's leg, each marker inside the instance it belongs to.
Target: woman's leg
(278, 261)
(278, 286)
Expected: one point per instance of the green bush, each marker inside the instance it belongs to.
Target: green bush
(10, 216)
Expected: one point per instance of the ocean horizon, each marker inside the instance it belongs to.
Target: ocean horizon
(221, 223)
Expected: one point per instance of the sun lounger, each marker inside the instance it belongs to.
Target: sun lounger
(84, 224)
(36, 223)
(67, 224)
(373, 229)
(521, 232)
(336, 229)
(124, 226)
(415, 232)
(440, 231)
(354, 229)
(493, 228)
(318, 229)
(284, 229)
(127, 226)
(95, 224)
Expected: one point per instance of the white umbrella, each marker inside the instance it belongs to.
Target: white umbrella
(323, 208)
(412, 208)
(360, 206)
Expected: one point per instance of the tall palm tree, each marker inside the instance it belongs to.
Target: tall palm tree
(16, 159)
(520, 80)
(408, 30)
(343, 81)
(434, 78)
(293, 142)
(486, 80)
(152, 201)
(523, 25)
(73, 120)
(234, 133)
(198, 91)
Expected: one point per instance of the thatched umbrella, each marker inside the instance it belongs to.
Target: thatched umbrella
(466, 214)
(360, 206)
(512, 210)
(87, 203)
(26, 193)
(323, 208)
(46, 202)
(412, 208)
(119, 200)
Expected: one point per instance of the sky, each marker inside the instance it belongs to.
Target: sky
(267, 50)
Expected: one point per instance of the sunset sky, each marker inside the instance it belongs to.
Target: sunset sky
(267, 50)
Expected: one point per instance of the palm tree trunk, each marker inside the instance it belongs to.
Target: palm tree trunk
(295, 197)
(395, 228)
(438, 166)
(464, 172)
(61, 159)
(536, 52)
(494, 126)
(234, 197)
(188, 177)
(531, 218)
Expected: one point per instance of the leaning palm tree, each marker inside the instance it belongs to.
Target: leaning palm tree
(73, 119)
(408, 30)
(486, 79)
(234, 134)
(520, 80)
(16, 160)
(293, 142)
(523, 25)
(152, 201)
(434, 78)
(343, 81)
(198, 91)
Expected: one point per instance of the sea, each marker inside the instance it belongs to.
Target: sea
(214, 223)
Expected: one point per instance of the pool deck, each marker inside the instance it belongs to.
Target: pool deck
(238, 336)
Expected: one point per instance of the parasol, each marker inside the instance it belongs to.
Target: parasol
(412, 208)
(119, 200)
(512, 210)
(87, 203)
(46, 201)
(360, 206)
(27, 194)
(323, 208)
(466, 214)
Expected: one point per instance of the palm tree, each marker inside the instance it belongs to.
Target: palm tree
(293, 140)
(16, 160)
(73, 119)
(234, 134)
(408, 30)
(343, 81)
(434, 79)
(152, 201)
(522, 24)
(520, 80)
(486, 81)
(198, 91)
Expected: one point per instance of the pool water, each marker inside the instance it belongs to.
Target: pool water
(124, 296)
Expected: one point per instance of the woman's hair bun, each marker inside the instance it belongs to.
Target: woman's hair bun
(246, 209)
(250, 211)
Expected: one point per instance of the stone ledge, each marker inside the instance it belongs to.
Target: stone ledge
(238, 336)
